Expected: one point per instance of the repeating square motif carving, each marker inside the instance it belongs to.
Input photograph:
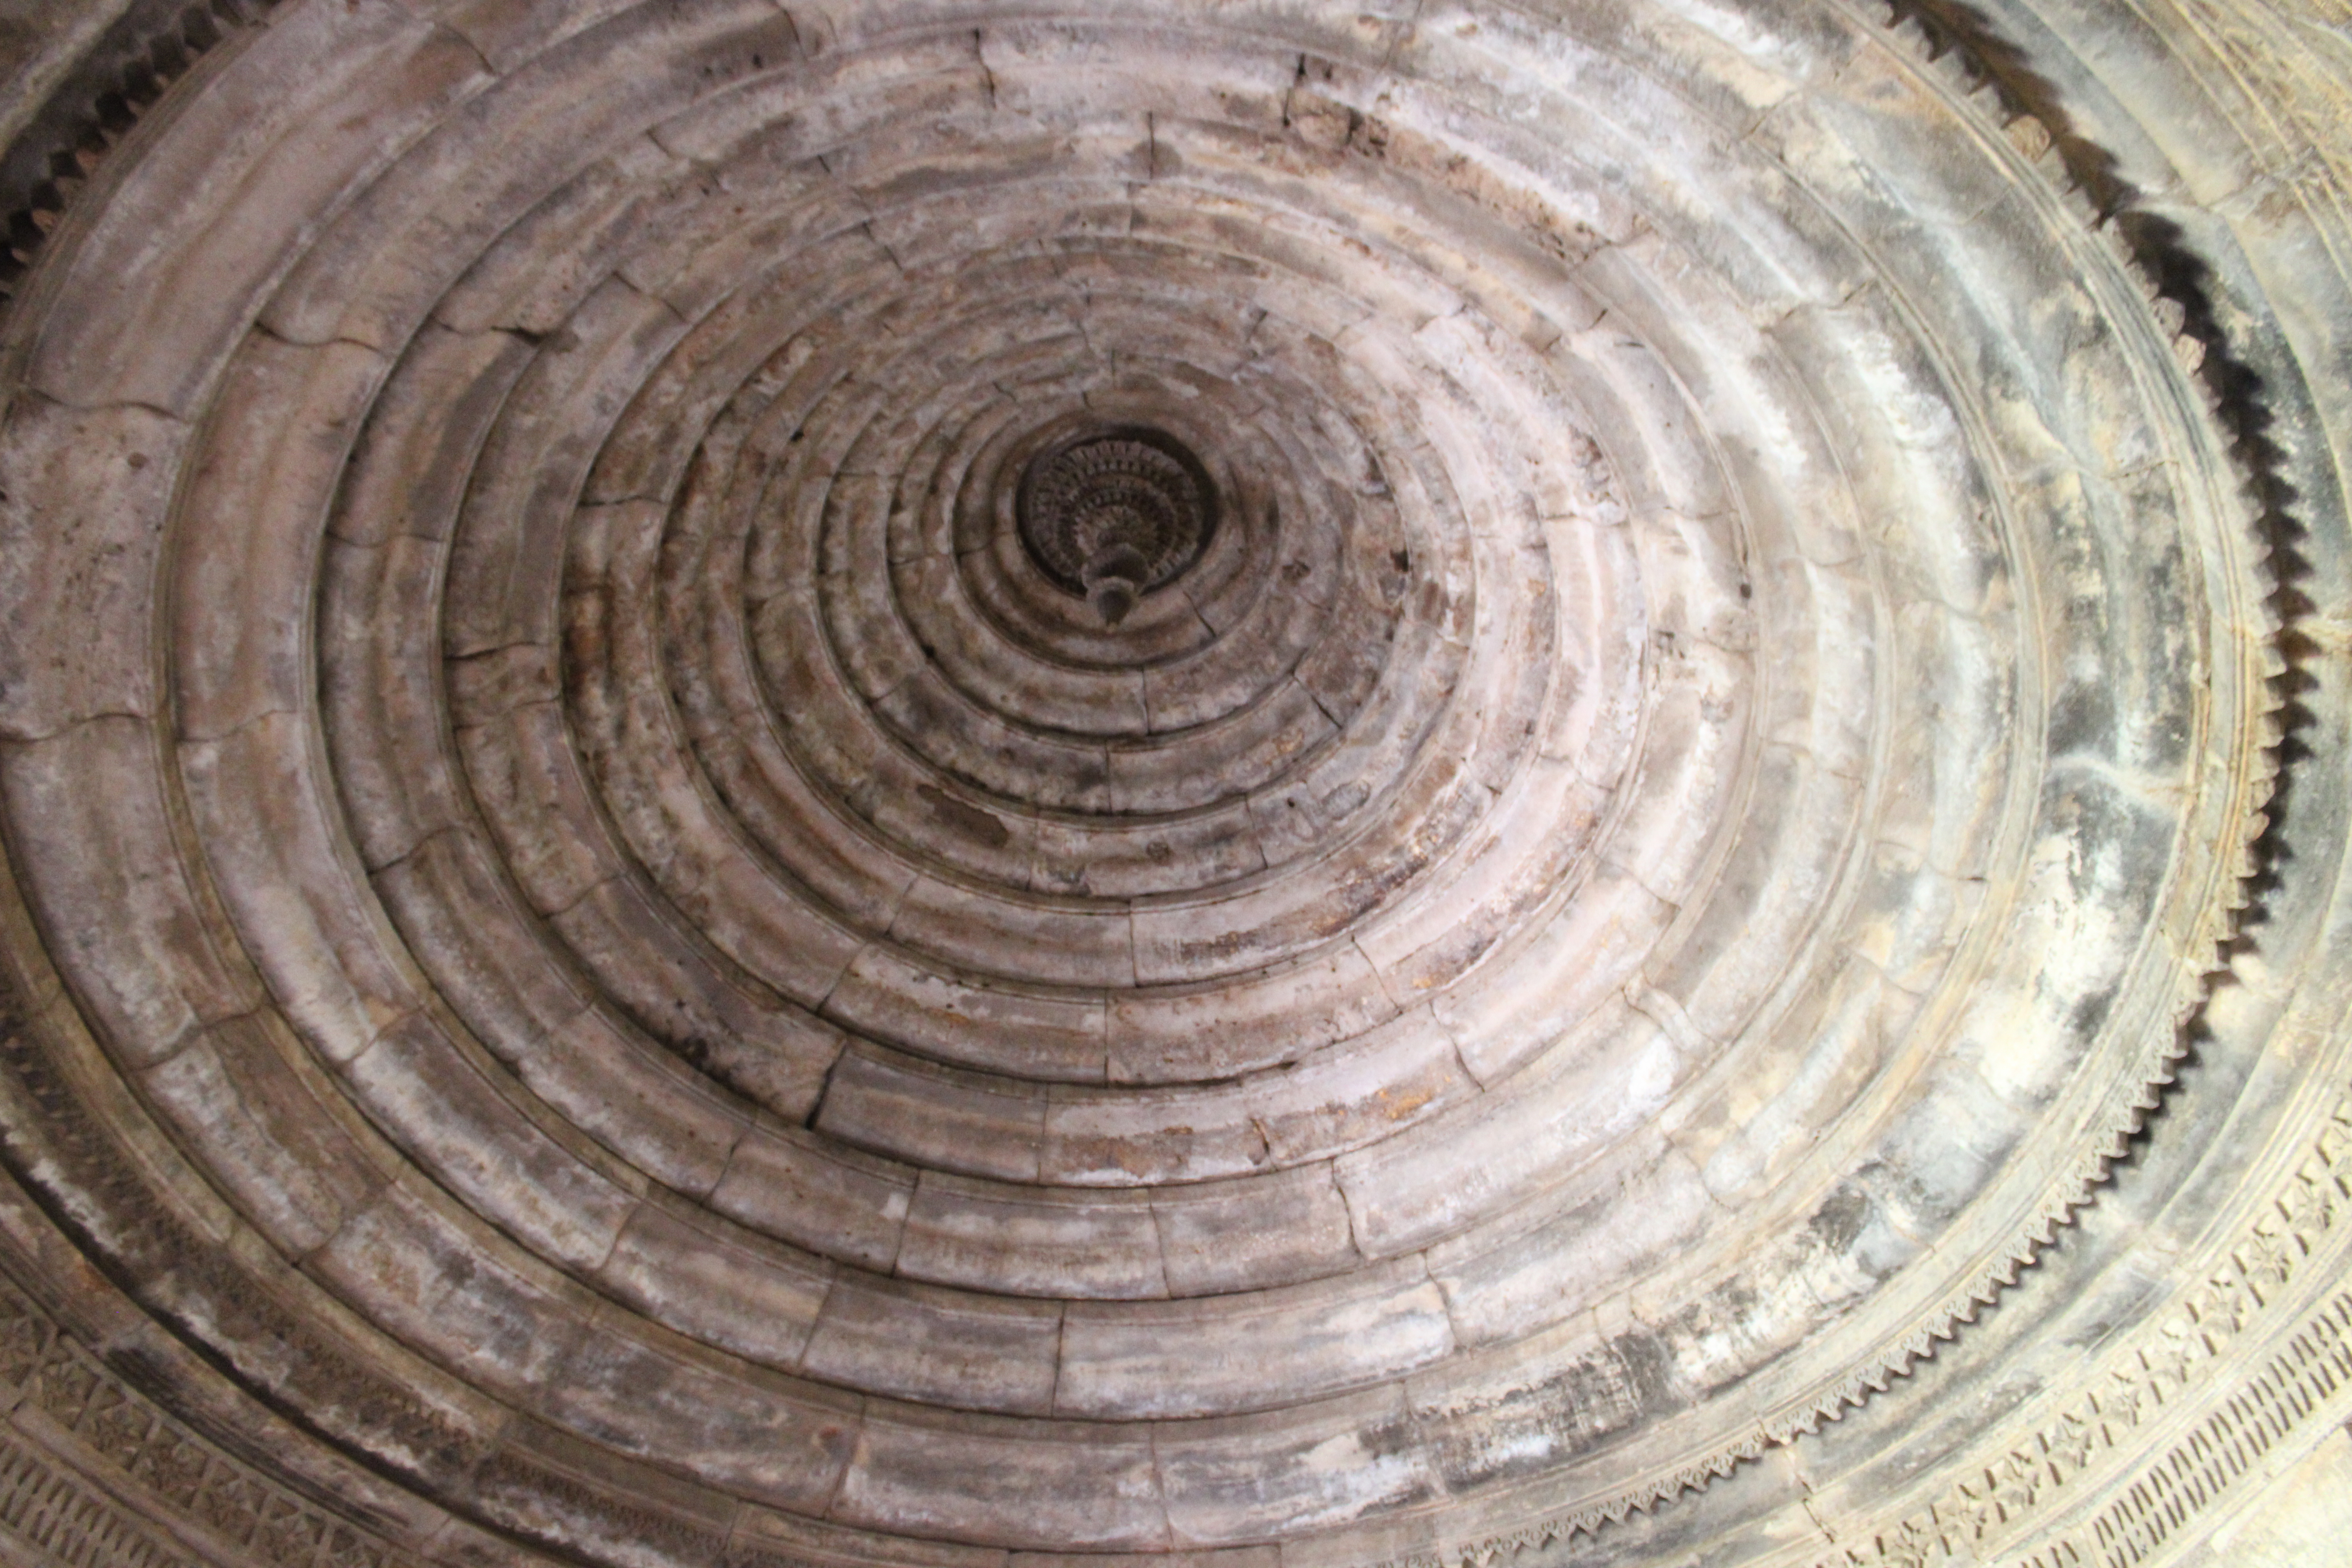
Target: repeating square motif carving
(173, 1470)
(64, 1386)
(2142, 1381)
(2266, 1260)
(345, 1549)
(2014, 1484)
(121, 1429)
(116, 1426)
(230, 1508)
(2070, 1442)
(289, 1532)
(23, 1341)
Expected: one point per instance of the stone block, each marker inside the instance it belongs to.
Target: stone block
(83, 494)
(451, 1118)
(266, 1128)
(94, 846)
(1252, 1232)
(940, 1118)
(835, 1201)
(1033, 1241)
(1074, 1486)
(754, 1434)
(956, 1348)
(1217, 1355)
(695, 1274)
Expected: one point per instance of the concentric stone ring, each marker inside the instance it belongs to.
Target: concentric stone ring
(926, 782)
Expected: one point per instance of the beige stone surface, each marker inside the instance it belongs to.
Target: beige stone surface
(2300, 1518)
(1707, 931)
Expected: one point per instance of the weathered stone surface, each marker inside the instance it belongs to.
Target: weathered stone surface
(603, 959)
(1277, 1476)
(1217, 1236)
(784, 1443)
(977, 1351)
(296, 1173)
(1081, 1486)
(848, 1205)
(82, 489)
(188, 250)
(684, 1266)
(453, 1120)
(1063, 1243)
(425, 1277)
(1195, 1357)
(157, 969)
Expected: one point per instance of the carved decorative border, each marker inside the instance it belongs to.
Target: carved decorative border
(2154, 1504)
(71, 145)
(45, 1510)
(256, 1520)
(2168, 1364)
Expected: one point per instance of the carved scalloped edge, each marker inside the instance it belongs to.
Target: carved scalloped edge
(155, 61)
(2169, 1348)
(2090, 1170)
(2131, 1105)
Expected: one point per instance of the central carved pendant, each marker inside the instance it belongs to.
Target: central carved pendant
(1111, 515)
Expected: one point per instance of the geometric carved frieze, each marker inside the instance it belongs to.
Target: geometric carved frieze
(2189, 1358)
(76, 1420)
(54, 1520)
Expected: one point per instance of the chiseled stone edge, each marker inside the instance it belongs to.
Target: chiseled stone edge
(2155, 1505)
(2309, 1378)
(51, 1517)
(254, 1519)
(77, 136)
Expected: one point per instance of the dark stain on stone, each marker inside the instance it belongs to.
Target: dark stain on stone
(1841, 1218)
(2083, 720)
(2089, 1013)
(966, 819)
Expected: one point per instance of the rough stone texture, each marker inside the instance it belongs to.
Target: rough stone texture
(1707, 932)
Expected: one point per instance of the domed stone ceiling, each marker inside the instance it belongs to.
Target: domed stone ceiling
(921, 782)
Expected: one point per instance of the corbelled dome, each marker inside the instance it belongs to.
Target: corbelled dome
(907, 782)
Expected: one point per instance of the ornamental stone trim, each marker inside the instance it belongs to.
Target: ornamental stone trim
(2173, 1363)
(253, 1519)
